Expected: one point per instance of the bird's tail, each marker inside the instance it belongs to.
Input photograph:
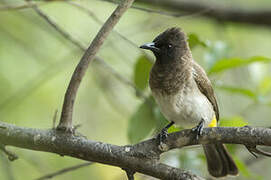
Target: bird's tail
(219, 161)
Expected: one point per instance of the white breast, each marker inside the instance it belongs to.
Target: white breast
(185, 109)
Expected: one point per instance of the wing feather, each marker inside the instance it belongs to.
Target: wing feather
(205, 86)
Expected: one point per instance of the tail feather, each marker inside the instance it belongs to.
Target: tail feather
(219, 161)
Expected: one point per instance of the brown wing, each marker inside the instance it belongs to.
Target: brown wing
(205, 86)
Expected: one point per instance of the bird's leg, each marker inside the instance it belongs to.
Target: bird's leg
(162, 136)
(198, 129)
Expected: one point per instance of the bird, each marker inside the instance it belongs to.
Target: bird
(185, 96)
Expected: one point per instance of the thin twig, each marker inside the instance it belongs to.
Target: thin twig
(69, 37)
(67, 109)
(254, 151)
(54, 24)
(11, 155)
(82, 47)
(130, 174)
(78, 44)
(95, 18)
(63, 171)
(54, 119)
(87, 11)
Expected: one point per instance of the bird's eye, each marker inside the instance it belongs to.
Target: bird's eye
(169, 45)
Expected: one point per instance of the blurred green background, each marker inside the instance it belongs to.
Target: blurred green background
(36, 63)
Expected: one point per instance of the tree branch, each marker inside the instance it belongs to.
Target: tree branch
(97, 20)
(78, 44)
(135, 158)
(215, 11)
(142, 157)
(67, 109)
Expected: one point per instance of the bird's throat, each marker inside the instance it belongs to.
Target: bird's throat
(169, 77)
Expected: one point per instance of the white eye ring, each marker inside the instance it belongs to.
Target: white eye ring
(169, 46)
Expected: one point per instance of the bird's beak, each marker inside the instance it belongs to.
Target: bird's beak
(151, 46)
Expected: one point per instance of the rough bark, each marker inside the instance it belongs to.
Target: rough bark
(142, 157)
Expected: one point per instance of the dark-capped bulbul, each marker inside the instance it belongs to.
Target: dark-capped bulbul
(185, 95)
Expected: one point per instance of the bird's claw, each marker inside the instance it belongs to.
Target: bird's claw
(198, 129)
(162, 136)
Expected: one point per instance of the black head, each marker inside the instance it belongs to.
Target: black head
(169, 44)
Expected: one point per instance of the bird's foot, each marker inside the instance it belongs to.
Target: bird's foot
(162, 136)
(198, 129)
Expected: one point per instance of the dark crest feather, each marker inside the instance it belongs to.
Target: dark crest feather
(174, 33)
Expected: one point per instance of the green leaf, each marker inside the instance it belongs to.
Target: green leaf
(239, 91)
(141, 72)
(142, 122)
(190, 159)
(242, 168)
(235, 121)
(233, 148)
(194, 41)
(265, 85)
(216, 50)
(161, 121)
(173, 129)
(226, 64)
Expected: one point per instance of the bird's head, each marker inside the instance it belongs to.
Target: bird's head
(169, 44)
